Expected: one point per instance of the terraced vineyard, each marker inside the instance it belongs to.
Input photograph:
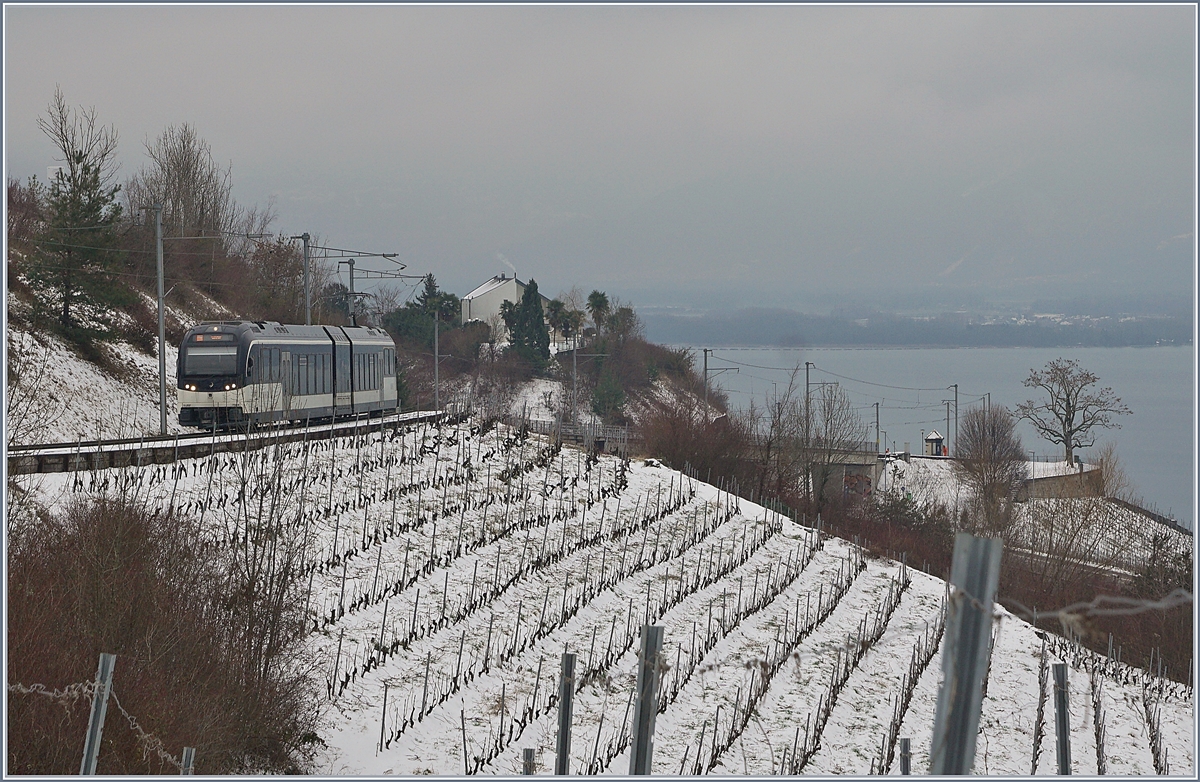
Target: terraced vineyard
(446, 569)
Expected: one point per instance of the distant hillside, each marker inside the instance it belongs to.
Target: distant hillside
(787, 328)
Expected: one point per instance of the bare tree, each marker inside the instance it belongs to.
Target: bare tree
(196, 194)
(777, 429)
(1114, 481)
(1074, 409)
(1064, 541)
(991, 461)
(24, 212)
(835, 431)
(82, 143)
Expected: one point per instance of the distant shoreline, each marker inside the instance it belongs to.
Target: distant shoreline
(933, 346)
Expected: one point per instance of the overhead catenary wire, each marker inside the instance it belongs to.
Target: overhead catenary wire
(840, 376)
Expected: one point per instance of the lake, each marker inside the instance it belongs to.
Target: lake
(1155, 444)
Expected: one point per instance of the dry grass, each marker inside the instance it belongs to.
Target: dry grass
(107, 576)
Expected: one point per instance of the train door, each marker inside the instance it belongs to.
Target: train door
(343, 401)
(285, 384)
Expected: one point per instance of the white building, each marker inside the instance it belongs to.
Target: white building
(484, 302)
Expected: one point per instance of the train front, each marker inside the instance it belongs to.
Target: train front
(211, 371)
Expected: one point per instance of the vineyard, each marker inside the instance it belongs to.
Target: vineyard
(446, 568)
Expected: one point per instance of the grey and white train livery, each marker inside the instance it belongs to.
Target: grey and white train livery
(238, 373)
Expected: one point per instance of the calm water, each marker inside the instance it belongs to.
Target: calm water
(1155, 443)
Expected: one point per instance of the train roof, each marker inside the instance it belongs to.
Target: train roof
(358, 334)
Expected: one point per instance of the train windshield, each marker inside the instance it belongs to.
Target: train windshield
(215, 360)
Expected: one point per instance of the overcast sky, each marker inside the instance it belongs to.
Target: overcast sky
(711, 156)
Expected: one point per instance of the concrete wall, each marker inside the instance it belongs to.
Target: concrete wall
(1088, 484)
(487, 306)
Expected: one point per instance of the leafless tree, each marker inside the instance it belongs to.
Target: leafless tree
(80, 140)
(24, 211)
(1114, 480)
(1064, 541)
(196, 194)
(777, 428)
(1074, 408)
(834, 431)
(991, 462)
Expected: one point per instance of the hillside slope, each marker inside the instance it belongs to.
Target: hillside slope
(448, 567)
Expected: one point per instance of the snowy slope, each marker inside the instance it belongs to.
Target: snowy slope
(436, 539)
(75, 400)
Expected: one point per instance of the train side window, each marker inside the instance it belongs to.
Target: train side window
(374, 384)
(275, 365)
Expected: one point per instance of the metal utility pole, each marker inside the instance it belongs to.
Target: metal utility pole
(955, 387)
(437, 385)
(91, 744)
(715, 371)
(162, 352)
(566, 691)
(946, 447)
(876, 427)
(189, 760)
(162, 356)
(1062, 719)
(353, 301)
(641, 756)
(807, 427)
(307, 292)
(974, 574)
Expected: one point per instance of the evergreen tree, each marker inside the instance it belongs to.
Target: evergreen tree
(526, 323)
(608, 398)
(79, 250)
(79, 245)
(437, 303)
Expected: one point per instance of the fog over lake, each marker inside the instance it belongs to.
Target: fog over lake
(1155, 444)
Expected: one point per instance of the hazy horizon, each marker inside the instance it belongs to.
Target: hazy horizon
(784, 156)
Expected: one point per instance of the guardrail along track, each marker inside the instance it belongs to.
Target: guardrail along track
(106, 454)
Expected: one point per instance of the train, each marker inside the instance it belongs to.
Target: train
(239, 373)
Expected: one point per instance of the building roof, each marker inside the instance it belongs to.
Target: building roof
(495, 283)
(491, 285)
(933, 435)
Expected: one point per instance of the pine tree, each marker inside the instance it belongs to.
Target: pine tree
(79, 246)
(526, 323)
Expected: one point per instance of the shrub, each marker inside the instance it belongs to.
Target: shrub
(108, 576)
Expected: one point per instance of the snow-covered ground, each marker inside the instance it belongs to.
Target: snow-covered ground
(1104, 532)
(451, 568)
(72, 399)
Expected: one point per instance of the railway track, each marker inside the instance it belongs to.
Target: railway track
(87, 455)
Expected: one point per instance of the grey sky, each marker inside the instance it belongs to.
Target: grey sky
(767, 155)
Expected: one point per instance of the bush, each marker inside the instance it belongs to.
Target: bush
(108, 576)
